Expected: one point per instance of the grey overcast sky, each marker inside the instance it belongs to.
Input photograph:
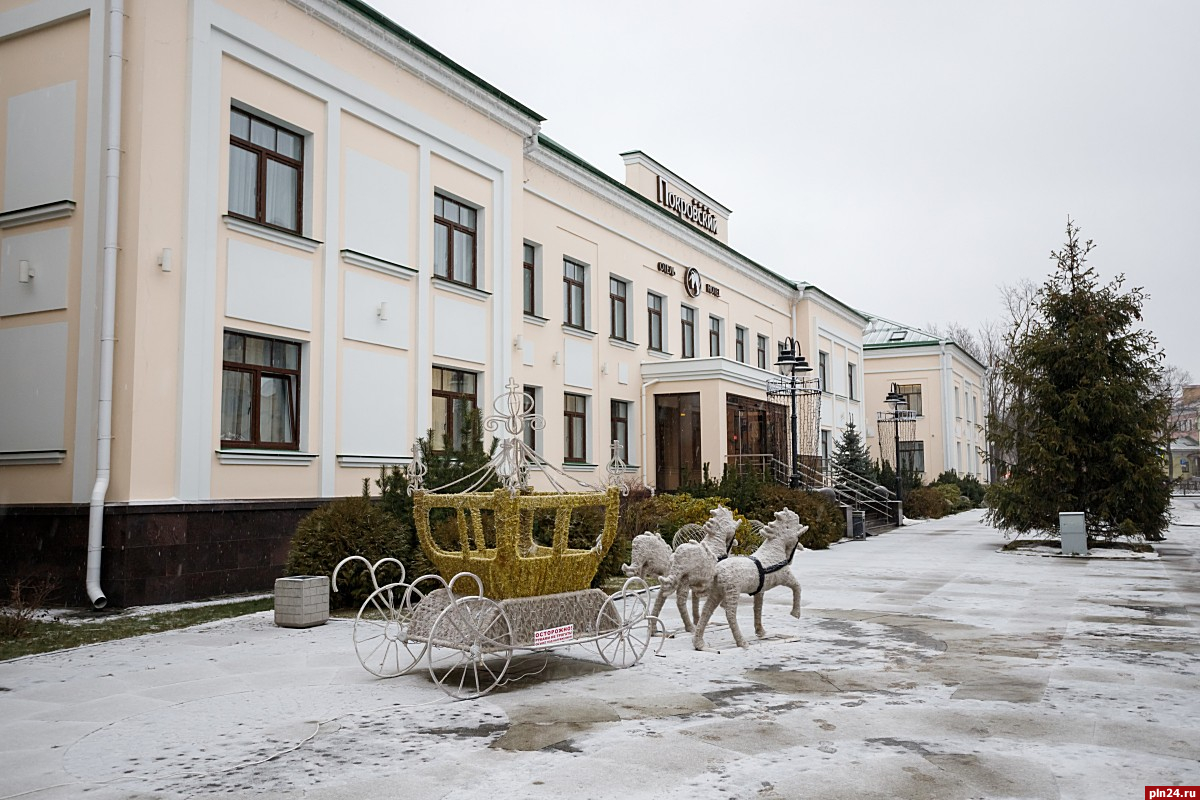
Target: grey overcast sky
(907, 157)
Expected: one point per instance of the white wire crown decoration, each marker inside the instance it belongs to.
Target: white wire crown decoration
(515, 414)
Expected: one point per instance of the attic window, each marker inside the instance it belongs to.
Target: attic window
(898, 335)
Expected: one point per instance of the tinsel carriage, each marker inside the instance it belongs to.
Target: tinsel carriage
(498, 590)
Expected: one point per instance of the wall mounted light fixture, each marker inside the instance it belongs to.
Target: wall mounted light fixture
(164, 260)
(382, 311)
(25, 273)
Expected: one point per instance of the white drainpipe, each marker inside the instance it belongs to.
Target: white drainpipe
(112, 185)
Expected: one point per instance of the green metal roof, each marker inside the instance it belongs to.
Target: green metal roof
(391, 27)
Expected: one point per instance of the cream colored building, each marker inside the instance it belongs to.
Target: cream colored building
(276, 242)
(945, 392)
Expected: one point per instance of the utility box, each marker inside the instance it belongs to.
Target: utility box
(1072, 530)
(302, 601)
(860, 525)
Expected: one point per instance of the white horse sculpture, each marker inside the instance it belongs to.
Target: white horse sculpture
(770, 566)
(692, 566)
(650, 557)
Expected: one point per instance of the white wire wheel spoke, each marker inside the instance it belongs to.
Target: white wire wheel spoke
(624, 617)
(478, 636)
(380, 634)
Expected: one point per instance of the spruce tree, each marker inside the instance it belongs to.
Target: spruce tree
(851, 455)
(1084, 431)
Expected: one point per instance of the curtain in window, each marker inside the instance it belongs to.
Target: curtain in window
(275, 410)
(282, 191)
(243, 181)
(235, 405)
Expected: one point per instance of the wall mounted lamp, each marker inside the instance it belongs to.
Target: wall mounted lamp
(382, 311)
(25, 273)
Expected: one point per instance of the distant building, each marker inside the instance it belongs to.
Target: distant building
(1185, 435)
(943, 386)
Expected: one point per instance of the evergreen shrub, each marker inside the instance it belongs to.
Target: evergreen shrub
(927, 502)
(824, 518)
(345, 527)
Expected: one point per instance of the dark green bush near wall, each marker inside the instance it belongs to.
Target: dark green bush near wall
(346, 527)
(825, 520)
(927, 502)
(969, 485)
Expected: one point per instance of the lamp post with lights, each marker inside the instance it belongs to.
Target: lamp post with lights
(790, 362)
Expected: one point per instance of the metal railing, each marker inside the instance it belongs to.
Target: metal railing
(850, 489)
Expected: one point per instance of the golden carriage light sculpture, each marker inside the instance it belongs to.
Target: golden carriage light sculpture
(499, 589)
(504, 554)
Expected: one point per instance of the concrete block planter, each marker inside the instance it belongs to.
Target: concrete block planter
(301, 601)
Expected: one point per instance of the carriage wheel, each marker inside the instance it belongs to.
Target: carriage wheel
(381, 631)
(471, 644)
(623, 625)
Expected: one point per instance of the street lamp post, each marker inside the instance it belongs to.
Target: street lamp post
(896, 400)
(791, 359)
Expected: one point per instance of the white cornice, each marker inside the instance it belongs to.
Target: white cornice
(700, 369)
(671, 226)
(39, 213)
(397, 51)
(833, 305)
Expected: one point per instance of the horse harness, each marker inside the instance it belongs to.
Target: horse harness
(763, 572)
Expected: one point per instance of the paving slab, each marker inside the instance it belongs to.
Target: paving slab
(926, 664)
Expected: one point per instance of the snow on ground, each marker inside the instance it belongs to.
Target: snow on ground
(926, 664)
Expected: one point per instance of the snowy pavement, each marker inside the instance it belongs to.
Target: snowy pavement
(926, 664)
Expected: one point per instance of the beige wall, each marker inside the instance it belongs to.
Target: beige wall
(43, 58)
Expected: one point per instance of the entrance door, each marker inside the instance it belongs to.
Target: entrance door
(677, 440)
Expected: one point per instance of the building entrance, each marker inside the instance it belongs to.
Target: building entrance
(677, 440)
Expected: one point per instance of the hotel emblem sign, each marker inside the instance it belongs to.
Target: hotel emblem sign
(693, 284)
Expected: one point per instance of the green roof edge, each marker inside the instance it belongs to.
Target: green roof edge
(555, 147)
(924, 343)
(391, 27)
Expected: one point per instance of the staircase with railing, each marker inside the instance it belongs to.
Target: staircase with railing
(876, 502)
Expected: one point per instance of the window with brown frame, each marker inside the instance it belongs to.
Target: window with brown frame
(260, 392)
(266, 172)
(739, 344)
(911, 392)
(715, 335)
(454, 227)
(574, 277)
(620, 428)
(529, 279)
(575, 428)
(687, 322)
(618, 293)
(762, 352)
(654, 325)
(454, 398)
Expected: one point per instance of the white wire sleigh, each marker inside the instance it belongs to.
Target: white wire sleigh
(499, 591)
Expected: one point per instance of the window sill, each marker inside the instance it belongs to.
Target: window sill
(38, 213)
(625, 343)
(459, 288)
(582, 333)
(534, 319)
(294, 240)
(663, 354)
(576, 467)
(372, 461)
(293, 458)
(18, 457)
(378, 264)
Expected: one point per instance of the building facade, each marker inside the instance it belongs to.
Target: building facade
(945, 397)
(250, 252)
